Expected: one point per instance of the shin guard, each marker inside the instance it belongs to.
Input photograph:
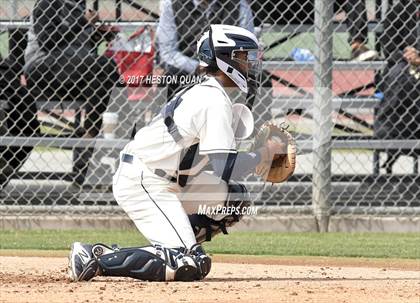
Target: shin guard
(151, 263)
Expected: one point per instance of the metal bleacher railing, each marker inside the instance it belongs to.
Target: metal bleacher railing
(352, 191)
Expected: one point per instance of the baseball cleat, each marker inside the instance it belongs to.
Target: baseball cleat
(82, 265)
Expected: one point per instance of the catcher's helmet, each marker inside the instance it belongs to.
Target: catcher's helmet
(219, 48)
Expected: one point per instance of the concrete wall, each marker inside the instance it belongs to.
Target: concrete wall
(279, 223)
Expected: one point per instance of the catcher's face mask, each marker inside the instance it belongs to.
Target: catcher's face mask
(250, 64)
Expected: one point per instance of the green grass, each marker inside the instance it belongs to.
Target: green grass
(371, 245)
(341, 47)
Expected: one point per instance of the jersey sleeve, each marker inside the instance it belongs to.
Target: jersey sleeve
(214, 127)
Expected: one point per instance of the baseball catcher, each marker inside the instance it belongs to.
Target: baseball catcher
(187, 158)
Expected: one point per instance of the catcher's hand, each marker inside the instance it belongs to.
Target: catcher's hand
(278, 153)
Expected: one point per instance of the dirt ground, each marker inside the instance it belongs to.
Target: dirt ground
(232, 279)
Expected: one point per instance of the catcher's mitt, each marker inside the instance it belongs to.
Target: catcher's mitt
(277, 166)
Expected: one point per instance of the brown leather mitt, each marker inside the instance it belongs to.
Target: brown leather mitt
(278, 153)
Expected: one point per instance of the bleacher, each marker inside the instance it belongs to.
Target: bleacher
(358, 188)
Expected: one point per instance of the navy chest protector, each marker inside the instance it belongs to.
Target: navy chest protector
(168, 112)
(189, 156)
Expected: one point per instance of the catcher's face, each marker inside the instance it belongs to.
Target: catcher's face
(242, 58)
(249, 62)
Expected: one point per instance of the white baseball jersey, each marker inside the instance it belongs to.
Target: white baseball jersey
(204, 116)
(159, 208)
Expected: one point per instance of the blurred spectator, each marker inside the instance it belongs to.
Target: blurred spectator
(400, 30)
(399, 113)
(61, 62)
(181, 24)
(411, 55)
(302, 12)
(18, 112)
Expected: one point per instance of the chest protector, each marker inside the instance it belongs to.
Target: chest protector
(191, 163)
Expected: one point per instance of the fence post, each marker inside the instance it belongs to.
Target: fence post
(321, 183)
(15, 7)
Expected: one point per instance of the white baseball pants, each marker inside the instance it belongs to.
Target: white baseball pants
(159, 208)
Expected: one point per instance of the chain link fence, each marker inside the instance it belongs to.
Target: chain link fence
(344, 75)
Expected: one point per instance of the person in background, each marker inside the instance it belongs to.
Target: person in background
(398, 115)
(302, 12)
(62, 62)
(18, 111)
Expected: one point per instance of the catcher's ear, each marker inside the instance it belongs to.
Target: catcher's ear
(243, 121)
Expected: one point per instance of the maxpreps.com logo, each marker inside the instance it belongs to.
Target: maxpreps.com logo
(226, 210)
